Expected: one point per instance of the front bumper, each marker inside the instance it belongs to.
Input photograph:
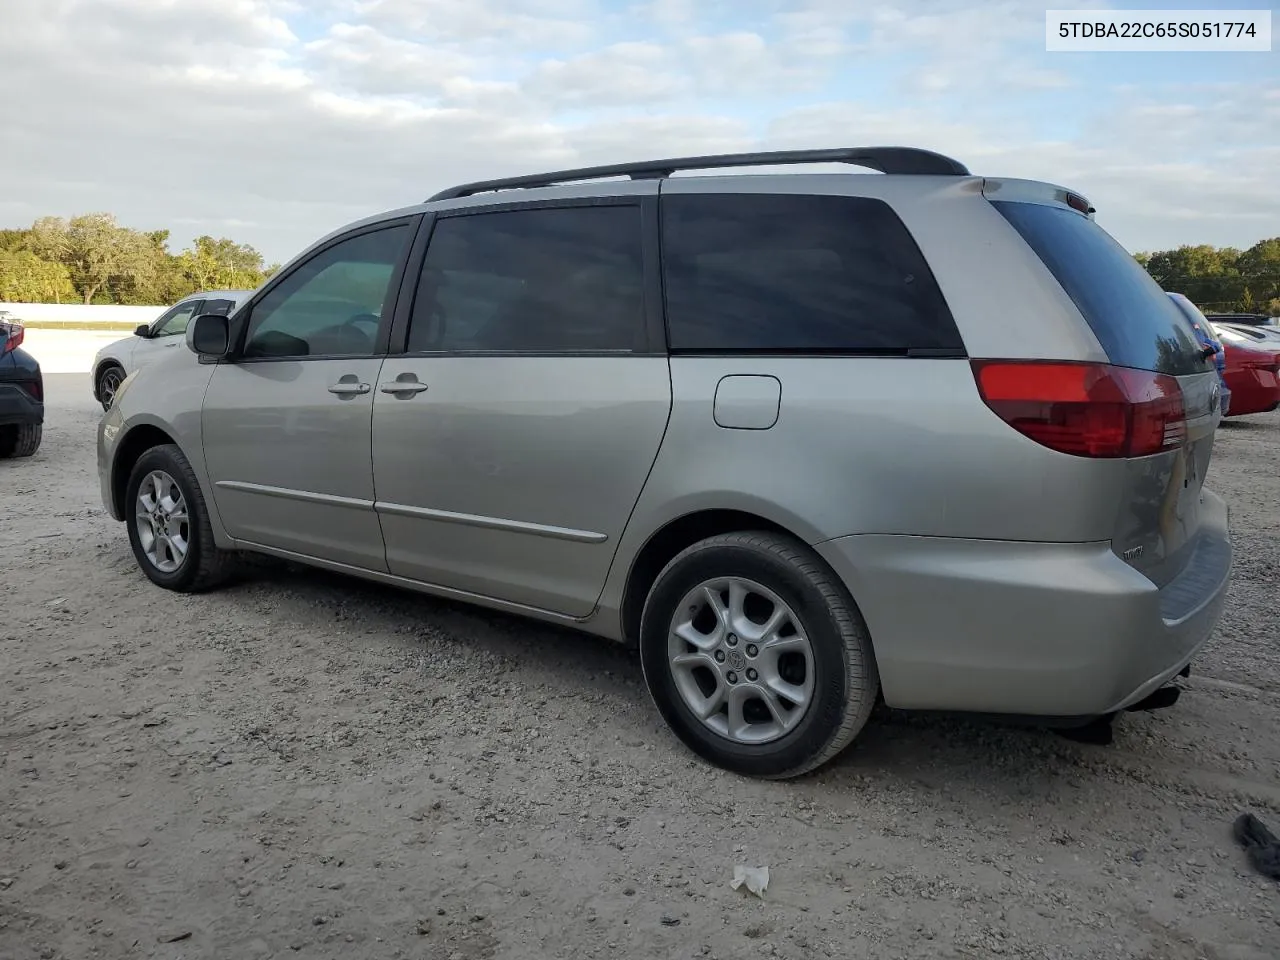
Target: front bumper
(109, 428)
(17, 406)
(1032, 629)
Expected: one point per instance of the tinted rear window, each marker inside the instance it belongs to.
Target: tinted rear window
(786, 273)
(1133, 319)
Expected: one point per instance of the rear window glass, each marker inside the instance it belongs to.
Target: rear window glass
(786, 273)
(1133, 319)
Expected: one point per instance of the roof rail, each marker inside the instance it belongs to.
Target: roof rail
(902, 160)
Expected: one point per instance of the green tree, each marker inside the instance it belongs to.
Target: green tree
(93, 258)
(25, 278)
(1260, 269)
(1205, 274)
(1220, 279)
(95, 250)
(220, 263)
(14, 239)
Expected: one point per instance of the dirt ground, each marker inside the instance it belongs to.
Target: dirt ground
(305, 766)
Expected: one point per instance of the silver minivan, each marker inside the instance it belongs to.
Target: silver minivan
(809, 441)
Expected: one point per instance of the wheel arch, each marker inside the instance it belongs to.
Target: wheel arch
(100, 368)
(132, 446)
(671, 538)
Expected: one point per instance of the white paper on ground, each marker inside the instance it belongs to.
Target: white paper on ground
(755, 879)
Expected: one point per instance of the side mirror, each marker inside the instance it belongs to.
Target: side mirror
(142, 330)
(209, 335)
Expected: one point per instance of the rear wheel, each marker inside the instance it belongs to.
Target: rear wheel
(756, 655)
(169, 526)
(20, 440)
(109, 381)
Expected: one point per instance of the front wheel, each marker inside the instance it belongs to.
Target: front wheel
(109, 381)
(756, 655)
(169, 526)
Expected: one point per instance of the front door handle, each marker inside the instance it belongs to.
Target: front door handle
(404, 386)
(349, 386)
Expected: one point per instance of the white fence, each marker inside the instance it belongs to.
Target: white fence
(81, 315)
(68, 351)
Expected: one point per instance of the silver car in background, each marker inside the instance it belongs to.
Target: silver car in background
(149, 341)
(809, 441)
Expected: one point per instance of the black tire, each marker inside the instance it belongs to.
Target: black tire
(845, 682)
(101, 385)
(20, 440)
(204, 566)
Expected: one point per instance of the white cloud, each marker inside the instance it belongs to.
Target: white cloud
(736, 64)
(620, 74)
(366, 60)
(535, 23)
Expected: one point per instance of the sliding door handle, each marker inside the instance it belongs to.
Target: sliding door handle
(404, 386)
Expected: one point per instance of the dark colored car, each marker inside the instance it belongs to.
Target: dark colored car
(21, 394)
(1208, 338)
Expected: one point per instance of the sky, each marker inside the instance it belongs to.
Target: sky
(276, 121)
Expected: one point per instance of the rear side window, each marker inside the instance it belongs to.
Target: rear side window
(780, 273)
(1136, 323)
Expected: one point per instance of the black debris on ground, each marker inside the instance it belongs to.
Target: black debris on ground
(1259, 843)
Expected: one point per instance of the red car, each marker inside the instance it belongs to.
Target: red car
(1252, 373)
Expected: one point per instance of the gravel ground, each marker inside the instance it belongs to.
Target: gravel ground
(305, 766)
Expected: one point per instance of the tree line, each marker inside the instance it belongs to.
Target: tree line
(93, 259)
(1221, 279)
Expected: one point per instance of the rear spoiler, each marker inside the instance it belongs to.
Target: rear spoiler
(1036, 191)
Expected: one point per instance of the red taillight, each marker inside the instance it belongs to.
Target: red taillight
(1085, 409)
(11, 335)
(33, 387)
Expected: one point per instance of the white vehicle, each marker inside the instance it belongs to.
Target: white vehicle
(122, 357)
(1264, 335)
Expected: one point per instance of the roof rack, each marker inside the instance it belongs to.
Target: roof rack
(899, 160)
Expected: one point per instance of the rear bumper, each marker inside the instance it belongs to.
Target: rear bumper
(18, 407)
(1253, 390)
(1033, 629)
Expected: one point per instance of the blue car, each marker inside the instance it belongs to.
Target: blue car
(1205, 334)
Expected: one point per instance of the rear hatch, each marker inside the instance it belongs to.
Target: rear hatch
(1156, 359)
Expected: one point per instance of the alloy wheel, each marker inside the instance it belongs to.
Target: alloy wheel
(741, 660)
(162, 522)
